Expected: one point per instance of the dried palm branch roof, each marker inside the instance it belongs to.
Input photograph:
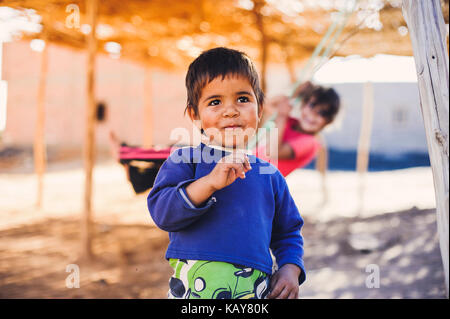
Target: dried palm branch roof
(170, 33)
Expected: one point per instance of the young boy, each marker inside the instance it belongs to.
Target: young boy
(223, 214)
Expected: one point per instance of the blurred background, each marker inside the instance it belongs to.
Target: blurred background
(382, 215)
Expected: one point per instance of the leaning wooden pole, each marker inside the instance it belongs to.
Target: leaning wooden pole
(428, 36)
(39, 135)
(89, 138)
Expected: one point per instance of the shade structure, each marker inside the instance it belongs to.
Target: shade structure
(170, 34)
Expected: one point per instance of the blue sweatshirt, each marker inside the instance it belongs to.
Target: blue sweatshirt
(237, 224)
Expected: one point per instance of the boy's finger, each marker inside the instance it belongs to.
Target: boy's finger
(244, 168)
(275, 291)
(293, 294)
(273, 281)
(247, 164)
(240, 170)
(284, 293)
(280, 293)
(239, 158)
(232, 173)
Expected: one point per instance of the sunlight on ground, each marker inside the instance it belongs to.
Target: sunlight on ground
(114, 199)
(37, 245)
(386, 191)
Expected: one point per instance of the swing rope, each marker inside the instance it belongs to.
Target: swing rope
(338, 24)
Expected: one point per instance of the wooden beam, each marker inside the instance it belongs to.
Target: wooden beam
(39, 135)
(288, 60)
(362, 160)
(322, 167)
(264, 43)
(148, 109)
(428, 36)
(89, 139)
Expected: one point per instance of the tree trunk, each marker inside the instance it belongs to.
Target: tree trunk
(428, 36)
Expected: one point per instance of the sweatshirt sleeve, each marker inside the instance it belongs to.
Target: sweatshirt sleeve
(287, 242)
(168, 202)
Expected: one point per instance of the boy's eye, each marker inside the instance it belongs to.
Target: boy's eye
(214, 102)
(243, 99)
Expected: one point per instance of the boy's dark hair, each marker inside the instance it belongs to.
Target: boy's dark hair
(219, 62)
(327, 99)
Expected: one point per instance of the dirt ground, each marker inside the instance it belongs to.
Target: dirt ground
(342, 254)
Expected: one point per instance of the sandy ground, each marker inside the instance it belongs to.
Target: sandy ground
(384, 246)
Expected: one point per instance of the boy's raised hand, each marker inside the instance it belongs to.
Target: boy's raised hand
(284, 283)
(228, 169)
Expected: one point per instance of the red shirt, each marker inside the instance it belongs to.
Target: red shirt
(305, 147)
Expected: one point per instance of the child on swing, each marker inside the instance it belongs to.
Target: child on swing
(297, 137)
(298, 142)
(225, 212)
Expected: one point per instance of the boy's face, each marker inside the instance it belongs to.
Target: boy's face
(310, 119)
(228, 111)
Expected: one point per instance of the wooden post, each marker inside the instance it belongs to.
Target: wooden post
(3, 97)
(321, 166)
(362, 160)
(89, 140)
(39, 135)
(148, 109)
(428, 36)
(289, 62)
(258, 5)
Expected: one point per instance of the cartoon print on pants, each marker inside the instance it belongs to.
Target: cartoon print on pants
(197, 279)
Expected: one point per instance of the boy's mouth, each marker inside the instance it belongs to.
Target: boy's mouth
(232, 126)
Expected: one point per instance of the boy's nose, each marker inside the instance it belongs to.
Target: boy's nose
(231, 111)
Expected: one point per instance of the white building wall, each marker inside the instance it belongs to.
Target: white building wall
(397, 120)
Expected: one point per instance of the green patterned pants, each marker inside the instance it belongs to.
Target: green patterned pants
(199, 279)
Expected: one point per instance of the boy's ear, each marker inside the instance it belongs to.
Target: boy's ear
(260, 111)
(191, 113)
(194, 117)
